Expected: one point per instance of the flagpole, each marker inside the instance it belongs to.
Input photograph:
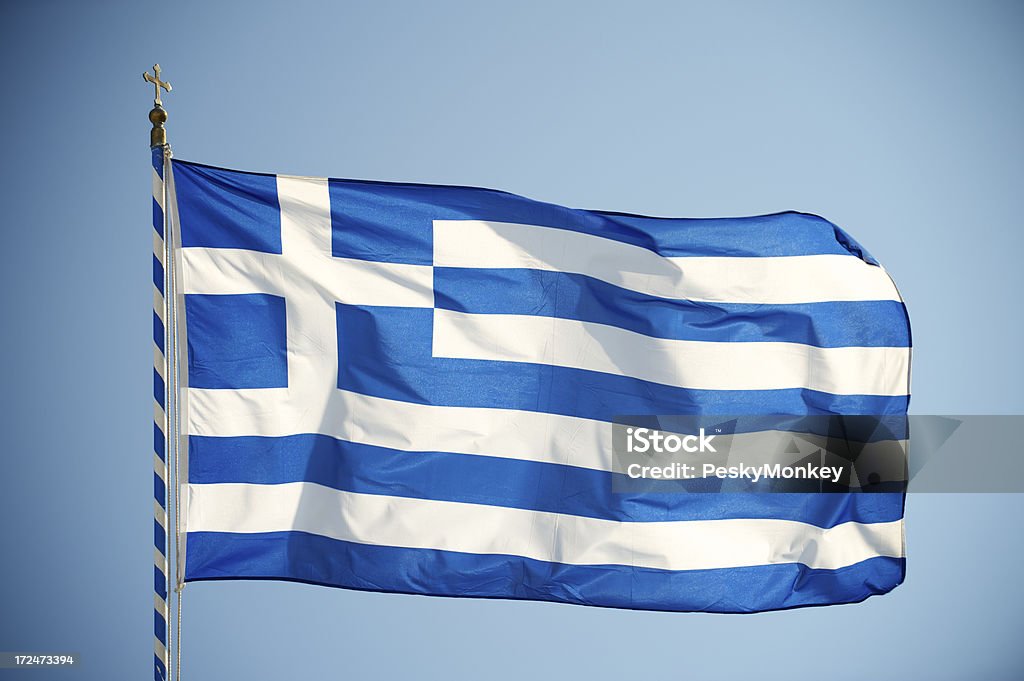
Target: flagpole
(163, 391)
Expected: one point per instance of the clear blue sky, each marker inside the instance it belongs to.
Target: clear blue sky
(899, 121)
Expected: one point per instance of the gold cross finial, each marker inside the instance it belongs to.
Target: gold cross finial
(158, 116)
(157, 83)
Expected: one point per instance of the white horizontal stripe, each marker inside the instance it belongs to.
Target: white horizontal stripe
(405, 426)
(774, 280)
(504, 433)
(159, 560)
(691, 364)
(158, 189)
(481, 529)
(160, 605)
(160, 650)
(354, 282)
(159, 513)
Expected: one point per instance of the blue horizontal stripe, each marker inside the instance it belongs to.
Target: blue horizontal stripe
(574, 296)
(387, 352)
(321, 560)
(777, 234)
(512, 483)
(845, 433)
(160, 672)
(393, 222)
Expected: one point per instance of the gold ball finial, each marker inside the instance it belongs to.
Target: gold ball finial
(158, 135)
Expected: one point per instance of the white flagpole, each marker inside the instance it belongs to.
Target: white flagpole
(163, 383)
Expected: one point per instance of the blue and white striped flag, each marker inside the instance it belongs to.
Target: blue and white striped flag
(410, 388)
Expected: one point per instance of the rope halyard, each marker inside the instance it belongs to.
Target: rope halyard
(176, 432)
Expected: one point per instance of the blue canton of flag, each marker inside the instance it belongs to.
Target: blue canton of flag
(411, 388)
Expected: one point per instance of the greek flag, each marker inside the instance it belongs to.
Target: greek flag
(411, 388)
